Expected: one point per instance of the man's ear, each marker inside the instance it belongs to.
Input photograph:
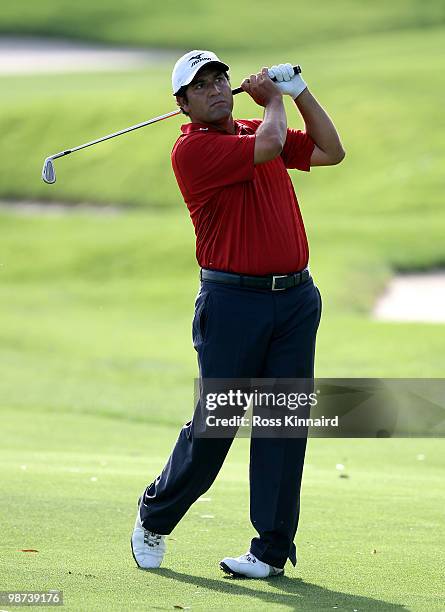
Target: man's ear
(182, 103)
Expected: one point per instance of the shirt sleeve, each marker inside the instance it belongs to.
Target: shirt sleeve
(206, 162)
(297, 150)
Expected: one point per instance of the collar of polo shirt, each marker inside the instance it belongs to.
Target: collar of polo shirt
(189, 128)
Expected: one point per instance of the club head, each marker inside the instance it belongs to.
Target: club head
(49, 172)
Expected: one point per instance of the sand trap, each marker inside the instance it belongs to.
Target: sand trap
(41, 55)
(414, 297)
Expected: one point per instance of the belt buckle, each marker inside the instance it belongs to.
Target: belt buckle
(273, 282)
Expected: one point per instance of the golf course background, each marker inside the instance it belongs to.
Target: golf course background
(95, 342)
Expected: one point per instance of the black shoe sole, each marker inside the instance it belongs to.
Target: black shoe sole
(131, 540)
(132, 552)
(227, 570)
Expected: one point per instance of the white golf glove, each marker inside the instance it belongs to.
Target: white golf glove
(288, 82)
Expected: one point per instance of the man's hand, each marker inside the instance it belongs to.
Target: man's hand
(261, 88)
(271, 134)
(289, 83)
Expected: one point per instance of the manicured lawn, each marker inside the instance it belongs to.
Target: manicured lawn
(97, 364)
(70, 484)
(97, 378)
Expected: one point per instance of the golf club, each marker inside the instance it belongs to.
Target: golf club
(49, 172)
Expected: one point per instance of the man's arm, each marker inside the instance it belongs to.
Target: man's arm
(271, 135)
(328, 149)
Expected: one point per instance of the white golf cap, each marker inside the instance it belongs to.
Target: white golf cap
(188, 65)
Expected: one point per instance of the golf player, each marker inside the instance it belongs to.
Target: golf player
(258, 310)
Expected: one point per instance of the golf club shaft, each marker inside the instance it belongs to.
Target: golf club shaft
(236, 91)
(114, 134)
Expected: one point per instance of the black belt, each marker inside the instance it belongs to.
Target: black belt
(276, 282)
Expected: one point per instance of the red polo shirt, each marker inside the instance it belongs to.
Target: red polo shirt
(246, 217)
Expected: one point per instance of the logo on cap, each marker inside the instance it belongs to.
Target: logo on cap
(198, 59)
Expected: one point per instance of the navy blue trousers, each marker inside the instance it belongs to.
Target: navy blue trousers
(244, 333)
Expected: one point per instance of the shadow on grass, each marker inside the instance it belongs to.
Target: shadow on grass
(291, 592)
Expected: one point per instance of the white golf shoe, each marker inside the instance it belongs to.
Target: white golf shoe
(148, 548)
(248, 566)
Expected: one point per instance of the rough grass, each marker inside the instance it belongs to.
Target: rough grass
(240, 26)
(388, 115)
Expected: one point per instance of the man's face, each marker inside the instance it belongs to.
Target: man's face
(209, 97)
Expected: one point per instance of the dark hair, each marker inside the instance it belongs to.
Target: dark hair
(182, 92)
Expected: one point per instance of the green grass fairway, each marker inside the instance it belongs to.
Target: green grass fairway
(97, 369)
(69, 490)
(97, 363)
